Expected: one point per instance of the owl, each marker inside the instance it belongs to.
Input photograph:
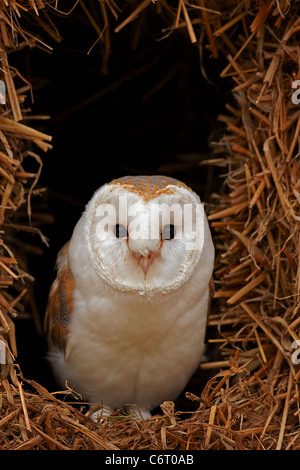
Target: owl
(127, 312)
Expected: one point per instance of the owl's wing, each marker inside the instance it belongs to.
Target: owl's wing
(60, 304)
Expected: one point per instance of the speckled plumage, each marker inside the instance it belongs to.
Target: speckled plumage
(119, 334)
(149, 187)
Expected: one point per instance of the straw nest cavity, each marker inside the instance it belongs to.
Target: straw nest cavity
(253, 401)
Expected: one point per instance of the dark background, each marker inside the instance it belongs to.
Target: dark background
(153, 112)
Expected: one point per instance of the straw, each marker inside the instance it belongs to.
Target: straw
(251, 401)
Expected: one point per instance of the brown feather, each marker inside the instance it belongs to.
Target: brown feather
(149, 186)
(60, 303)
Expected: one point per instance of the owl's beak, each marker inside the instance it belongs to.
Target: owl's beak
(145, 261)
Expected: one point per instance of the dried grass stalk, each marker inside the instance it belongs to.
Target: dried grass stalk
(253, 401)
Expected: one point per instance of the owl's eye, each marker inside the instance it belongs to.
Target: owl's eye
(120, 231)
(168, 232)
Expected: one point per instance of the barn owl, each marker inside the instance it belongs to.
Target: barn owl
(127, 312)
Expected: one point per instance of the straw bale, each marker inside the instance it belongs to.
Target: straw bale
(18, 143)
(18, 185)
(253, 401)
(256, 219)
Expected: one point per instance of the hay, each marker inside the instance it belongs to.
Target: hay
(257, 222)
(253, 401)
(38, 420)
(17, 187)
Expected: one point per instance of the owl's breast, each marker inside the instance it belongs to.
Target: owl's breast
(134, 351)
(125, 319)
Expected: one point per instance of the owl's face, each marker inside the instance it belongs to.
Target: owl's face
(145, 234)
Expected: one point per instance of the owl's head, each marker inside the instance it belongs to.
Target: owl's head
(146, 233)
